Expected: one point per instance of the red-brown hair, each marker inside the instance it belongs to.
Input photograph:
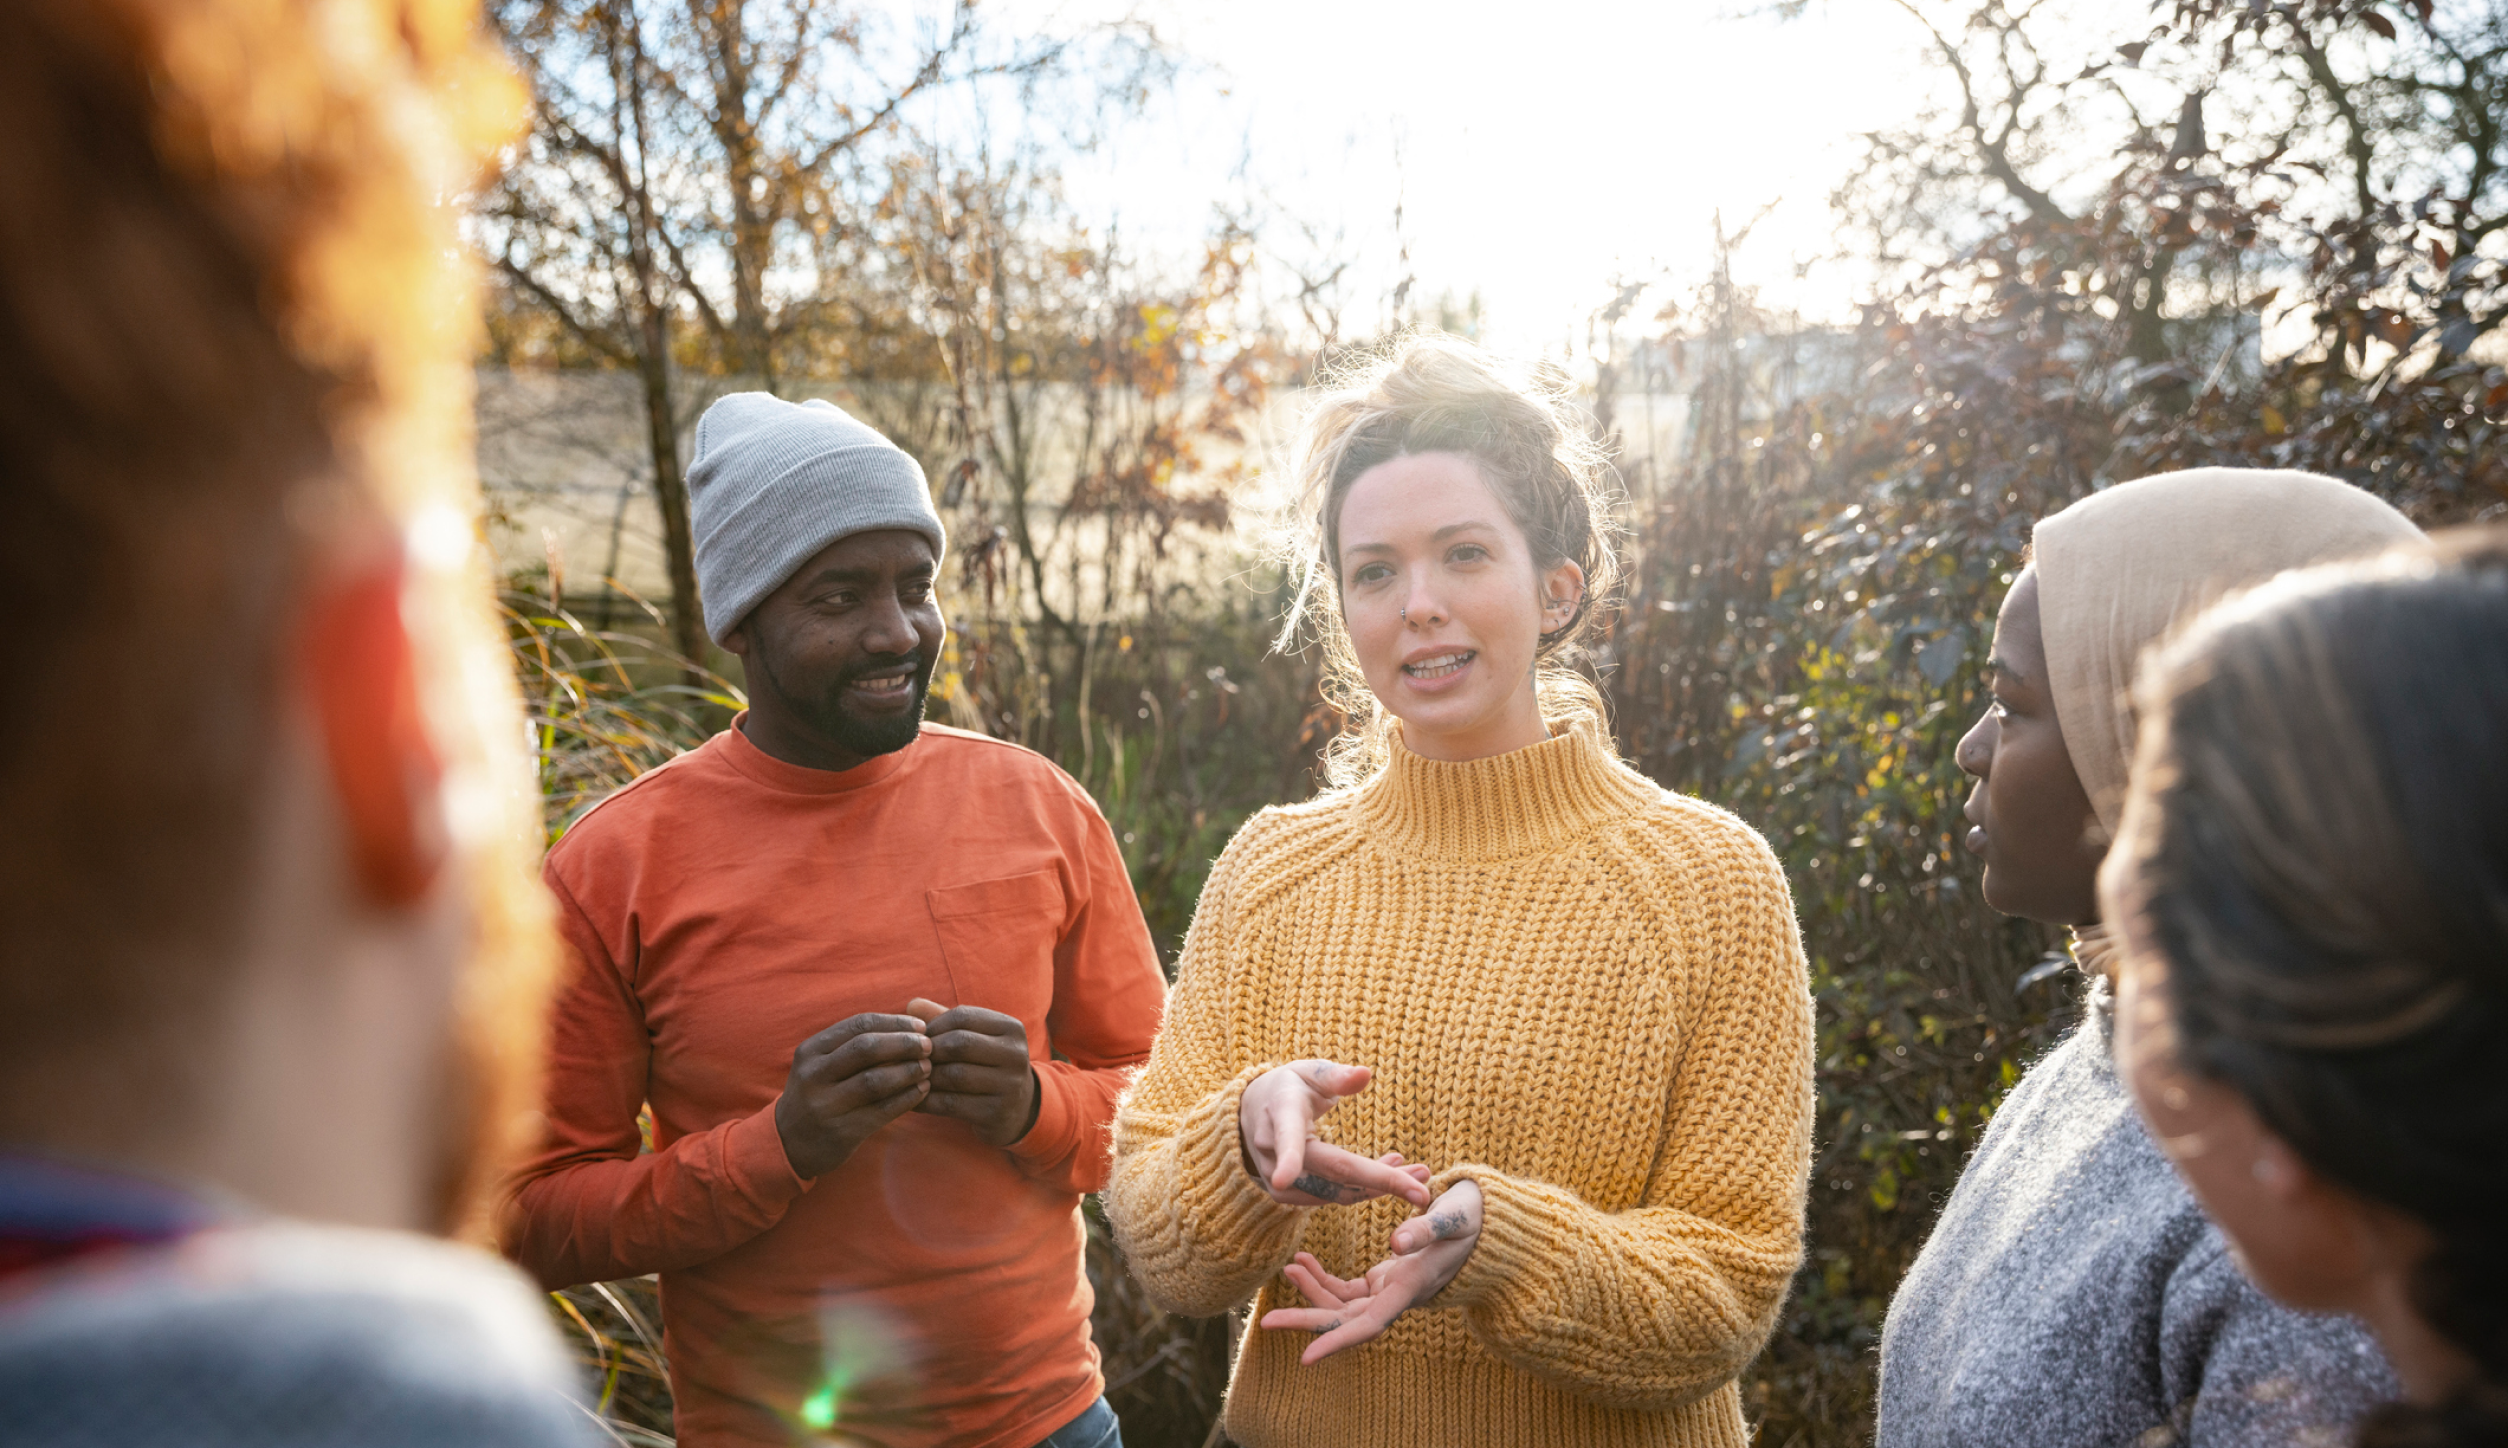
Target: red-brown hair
(233, 325)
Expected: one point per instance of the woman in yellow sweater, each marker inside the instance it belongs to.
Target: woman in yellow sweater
(1559, 1017)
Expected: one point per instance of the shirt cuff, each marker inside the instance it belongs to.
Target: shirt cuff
(1513, 1231)
(1048, 1142)
(759, 1167)
(1219, 1193)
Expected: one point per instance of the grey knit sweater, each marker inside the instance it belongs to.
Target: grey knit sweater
(2074, 1294)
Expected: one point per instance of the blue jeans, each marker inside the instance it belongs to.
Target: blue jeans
(1095, 1428)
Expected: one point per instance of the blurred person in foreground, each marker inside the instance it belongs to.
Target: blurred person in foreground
(273, 955)
(878, 981)
(2072, 1291)
(2312, 892)
(1576, 1001)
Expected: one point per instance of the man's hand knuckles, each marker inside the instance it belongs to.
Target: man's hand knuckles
(974, 1020)
(868, 1023)
(879, 1051)
(882, 1082)
(976, 1111)
(969, 1046)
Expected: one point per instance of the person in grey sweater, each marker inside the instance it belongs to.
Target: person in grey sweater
(2073, 1293)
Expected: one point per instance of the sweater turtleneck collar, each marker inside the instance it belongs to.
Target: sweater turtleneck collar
(1520, 803)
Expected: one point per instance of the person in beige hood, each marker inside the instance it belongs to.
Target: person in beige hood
(2073, 1292)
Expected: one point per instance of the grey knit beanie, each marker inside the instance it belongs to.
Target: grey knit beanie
(774, 482)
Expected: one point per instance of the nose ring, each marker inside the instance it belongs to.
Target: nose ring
(1406, 615)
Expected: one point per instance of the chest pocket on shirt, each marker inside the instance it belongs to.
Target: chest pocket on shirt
(997, 938)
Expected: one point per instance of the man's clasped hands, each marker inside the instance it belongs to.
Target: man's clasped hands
(1276, 1123)
(858, 1075)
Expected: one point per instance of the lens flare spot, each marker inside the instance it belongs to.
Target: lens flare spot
(819, 1410)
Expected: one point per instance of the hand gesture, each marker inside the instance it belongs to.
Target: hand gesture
(980, 1070)
(847, 1082)
(1276, 1127)
(1428, 1251)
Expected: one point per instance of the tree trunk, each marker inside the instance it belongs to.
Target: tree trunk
(2146, 338)
(670, 492)
(747, 182)
(654, 301)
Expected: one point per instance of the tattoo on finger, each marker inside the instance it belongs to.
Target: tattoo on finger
(1324, 1188)
(1445, 1225)
(1332, 1326)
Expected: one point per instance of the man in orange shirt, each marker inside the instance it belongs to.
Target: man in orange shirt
(879, 982)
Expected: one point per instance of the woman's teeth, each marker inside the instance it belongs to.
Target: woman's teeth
(1438, 667)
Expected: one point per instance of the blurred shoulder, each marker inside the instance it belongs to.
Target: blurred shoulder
(285, 1335)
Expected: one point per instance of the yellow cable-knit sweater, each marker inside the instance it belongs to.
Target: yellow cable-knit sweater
(1583, 993)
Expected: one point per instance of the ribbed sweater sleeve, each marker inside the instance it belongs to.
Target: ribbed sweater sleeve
(1196, 1229)
(1656, 1305)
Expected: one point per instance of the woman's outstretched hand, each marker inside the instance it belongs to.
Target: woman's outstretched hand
(1427, 1251)
(1276, 1124)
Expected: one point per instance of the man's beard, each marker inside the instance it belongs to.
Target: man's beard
(831, 719)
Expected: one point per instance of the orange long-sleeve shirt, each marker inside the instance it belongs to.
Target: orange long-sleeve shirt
(725, 907)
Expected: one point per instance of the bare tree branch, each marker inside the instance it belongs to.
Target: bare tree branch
(1994, 152)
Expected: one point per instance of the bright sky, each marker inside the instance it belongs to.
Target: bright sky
(1544, 146)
